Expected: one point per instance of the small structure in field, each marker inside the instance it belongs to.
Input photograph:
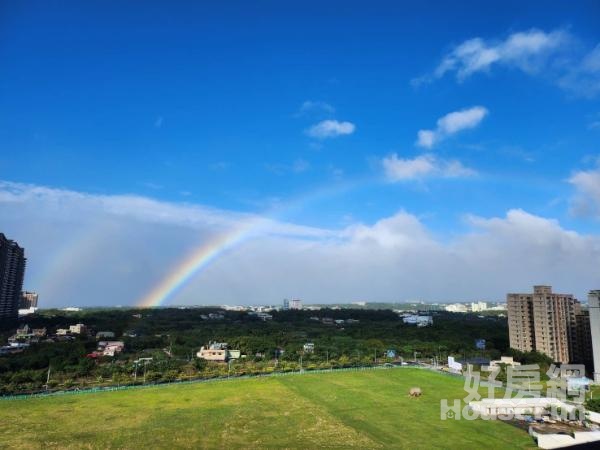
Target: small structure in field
(415, 392)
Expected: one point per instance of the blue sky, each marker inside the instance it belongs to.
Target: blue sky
(189, 103)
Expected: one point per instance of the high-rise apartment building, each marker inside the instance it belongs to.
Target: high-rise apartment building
(581, 340)
(12, 269)
(594, 305)
(286, 304)
(28, 300)
(543, 321)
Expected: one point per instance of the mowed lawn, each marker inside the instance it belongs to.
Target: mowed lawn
(369, 409)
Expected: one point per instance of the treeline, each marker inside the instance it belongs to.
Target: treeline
(171, 337)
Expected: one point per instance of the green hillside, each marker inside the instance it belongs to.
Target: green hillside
(369, 409)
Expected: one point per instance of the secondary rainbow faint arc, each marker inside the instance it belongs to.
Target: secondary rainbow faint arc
(208, 252)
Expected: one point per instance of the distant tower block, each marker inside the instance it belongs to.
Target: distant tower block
(28, 300)
(594, 305)
(286, 304)
(296, 304)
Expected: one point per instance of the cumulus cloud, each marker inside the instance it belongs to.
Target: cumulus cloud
(424, 166)
(587, 198)
(450, 124)
(86, 249)
(330, 128)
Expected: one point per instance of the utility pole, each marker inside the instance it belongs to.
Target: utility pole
(300, 363)
(48, 377)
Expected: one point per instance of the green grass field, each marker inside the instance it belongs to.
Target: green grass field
(369, 409)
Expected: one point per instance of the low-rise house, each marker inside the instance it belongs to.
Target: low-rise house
(309, 347)
(27, 311)
(78, 329)
(216, 316)
(111, 348)
(105, 335)
(339, 321)
(62, 331)
(234, 354)
(26, 334)
(217, 351)
(24, 331)
(327, 320)
(261, 315)
(13, 347)
(418, 320)
(504, 360)
(39, 332)
(352, 321)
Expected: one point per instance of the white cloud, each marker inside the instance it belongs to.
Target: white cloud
(556, 56)
(426, 138)
(526, 50)
(450, 124)
(310, 106)
(583, 78)
(158, 122)
(398, 169)
(300, 165)
(330, 128)
(116, 248)
(587, 199)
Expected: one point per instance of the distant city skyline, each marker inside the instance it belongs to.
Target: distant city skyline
(234, 154)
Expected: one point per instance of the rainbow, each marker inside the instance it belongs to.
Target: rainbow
(194, 263)
(82, 241)
(205, 254)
